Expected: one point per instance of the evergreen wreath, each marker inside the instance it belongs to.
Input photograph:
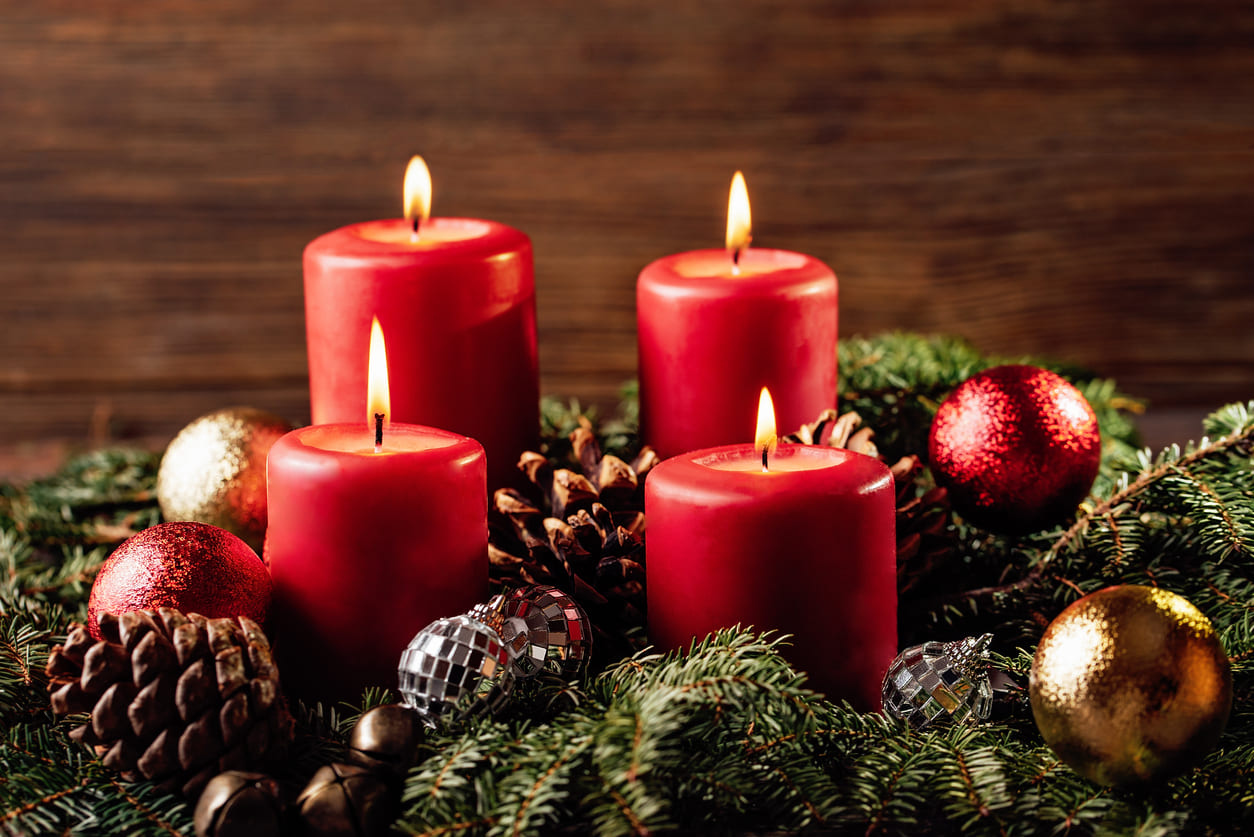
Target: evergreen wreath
(724, 737)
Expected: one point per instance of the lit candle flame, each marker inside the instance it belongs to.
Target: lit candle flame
(378, 400)
(764, 439)
(739, 221)
(417, 193)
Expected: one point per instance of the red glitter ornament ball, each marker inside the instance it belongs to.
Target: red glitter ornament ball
(1017, 447)
(193, 567)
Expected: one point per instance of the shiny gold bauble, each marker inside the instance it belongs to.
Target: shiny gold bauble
(1130, 685)
(215, 471)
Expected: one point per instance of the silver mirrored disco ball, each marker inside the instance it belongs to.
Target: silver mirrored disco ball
(454, 669)
(940, 682)
(546, 629)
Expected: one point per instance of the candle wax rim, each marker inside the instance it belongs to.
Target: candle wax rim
(346, 248)
(711, 263)
(747, 458)
(439, 230)
(666, 277)
(845, 473)
(359, 438)
(716, 264)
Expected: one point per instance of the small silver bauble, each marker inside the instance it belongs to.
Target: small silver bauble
(546, 629)
(454, 669)
(939, 681)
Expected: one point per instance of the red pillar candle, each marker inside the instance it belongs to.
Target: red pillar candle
(457, 300)
(367, 544)
(714, 327)
(807, 548)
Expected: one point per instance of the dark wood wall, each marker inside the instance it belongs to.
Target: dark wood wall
(1069, 177)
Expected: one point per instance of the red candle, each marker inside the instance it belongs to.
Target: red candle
(367, 544)
(456, 297)
(714, 327)
(806, 547)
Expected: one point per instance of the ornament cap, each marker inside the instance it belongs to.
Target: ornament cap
(970, 654)
(491, 612)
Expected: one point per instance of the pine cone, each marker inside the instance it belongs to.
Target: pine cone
(174, 699)
(605, 479)
(581, 533)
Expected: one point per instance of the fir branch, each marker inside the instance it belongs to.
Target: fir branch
(622, 809)
(455, 785)
(983, 786)
(722, 736)
(17, 814)
(1240, 440)
(101, 497)
(27, 633)
(151, 816)
(46, 789)
(532, 797)
(1223, 517)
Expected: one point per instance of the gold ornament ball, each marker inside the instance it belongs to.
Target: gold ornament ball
(1130, 685)
(215, 471)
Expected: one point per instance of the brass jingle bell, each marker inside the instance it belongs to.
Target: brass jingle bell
(344, 800)
(236, 803)
(387, 739)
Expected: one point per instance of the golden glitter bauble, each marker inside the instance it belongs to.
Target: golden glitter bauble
(1131, 685)
(215, 471)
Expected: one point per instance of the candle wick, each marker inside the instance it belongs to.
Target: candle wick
(413, 236)
(378, 433)
(736, 261)
(765, 449)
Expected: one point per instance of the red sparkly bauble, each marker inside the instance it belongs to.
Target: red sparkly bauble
(1017, 447)
(193, 567)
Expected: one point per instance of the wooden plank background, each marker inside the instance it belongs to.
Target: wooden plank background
(1071, 178)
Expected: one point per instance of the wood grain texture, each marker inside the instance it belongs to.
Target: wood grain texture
(1067, 178)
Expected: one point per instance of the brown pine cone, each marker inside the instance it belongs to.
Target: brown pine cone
(602, 478)
(581, 532)
(173, 699)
